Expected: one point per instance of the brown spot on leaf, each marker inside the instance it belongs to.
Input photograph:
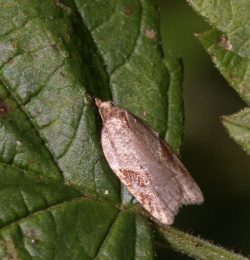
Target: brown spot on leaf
(244, 90)
(32, 233)
(197, 244)
(4, 109)
(14, 45)
(10, 60)
(222, 118)
(63, 74)
(38, 179)
(127, 10)
(149, 33)
(54, 47)
(224, 43)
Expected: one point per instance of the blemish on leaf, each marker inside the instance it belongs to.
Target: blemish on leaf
(197, 244)
(63, 74)
(222, 118)
(149, 33)
(4, 109)
(244, 90)
(224, 43)
(32, 233)
(38, 179)
(10, 60)
(14, 45)
(127, 10)
(54, 47)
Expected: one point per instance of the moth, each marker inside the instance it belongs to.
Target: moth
(145, 164)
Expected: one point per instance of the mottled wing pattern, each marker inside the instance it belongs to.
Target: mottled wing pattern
(190, 191)
(146, 165)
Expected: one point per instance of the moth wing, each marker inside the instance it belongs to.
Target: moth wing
(191, 193)
(169, 193)
(148, 167)
(188, 189)
(165, 184)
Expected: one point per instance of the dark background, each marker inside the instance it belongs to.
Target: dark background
(217, 163)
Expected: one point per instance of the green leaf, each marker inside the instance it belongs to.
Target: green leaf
(228, 46)
(59, 198)
(235, 68)
(174, 134)
(238, 126)
(128, 42)
(229, 16)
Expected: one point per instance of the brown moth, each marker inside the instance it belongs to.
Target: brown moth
(145, 164)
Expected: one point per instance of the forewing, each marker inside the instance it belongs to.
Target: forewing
(190, 191)
(133, 154)
(146, 165)
(171, 166)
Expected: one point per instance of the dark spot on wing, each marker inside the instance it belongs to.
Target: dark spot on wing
(166, 152)
(133, 178)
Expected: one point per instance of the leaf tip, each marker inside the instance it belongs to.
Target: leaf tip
(222, 118)
(197, 35)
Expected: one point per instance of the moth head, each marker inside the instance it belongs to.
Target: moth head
(105, 107)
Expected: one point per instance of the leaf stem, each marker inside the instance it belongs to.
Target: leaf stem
(193, 246)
